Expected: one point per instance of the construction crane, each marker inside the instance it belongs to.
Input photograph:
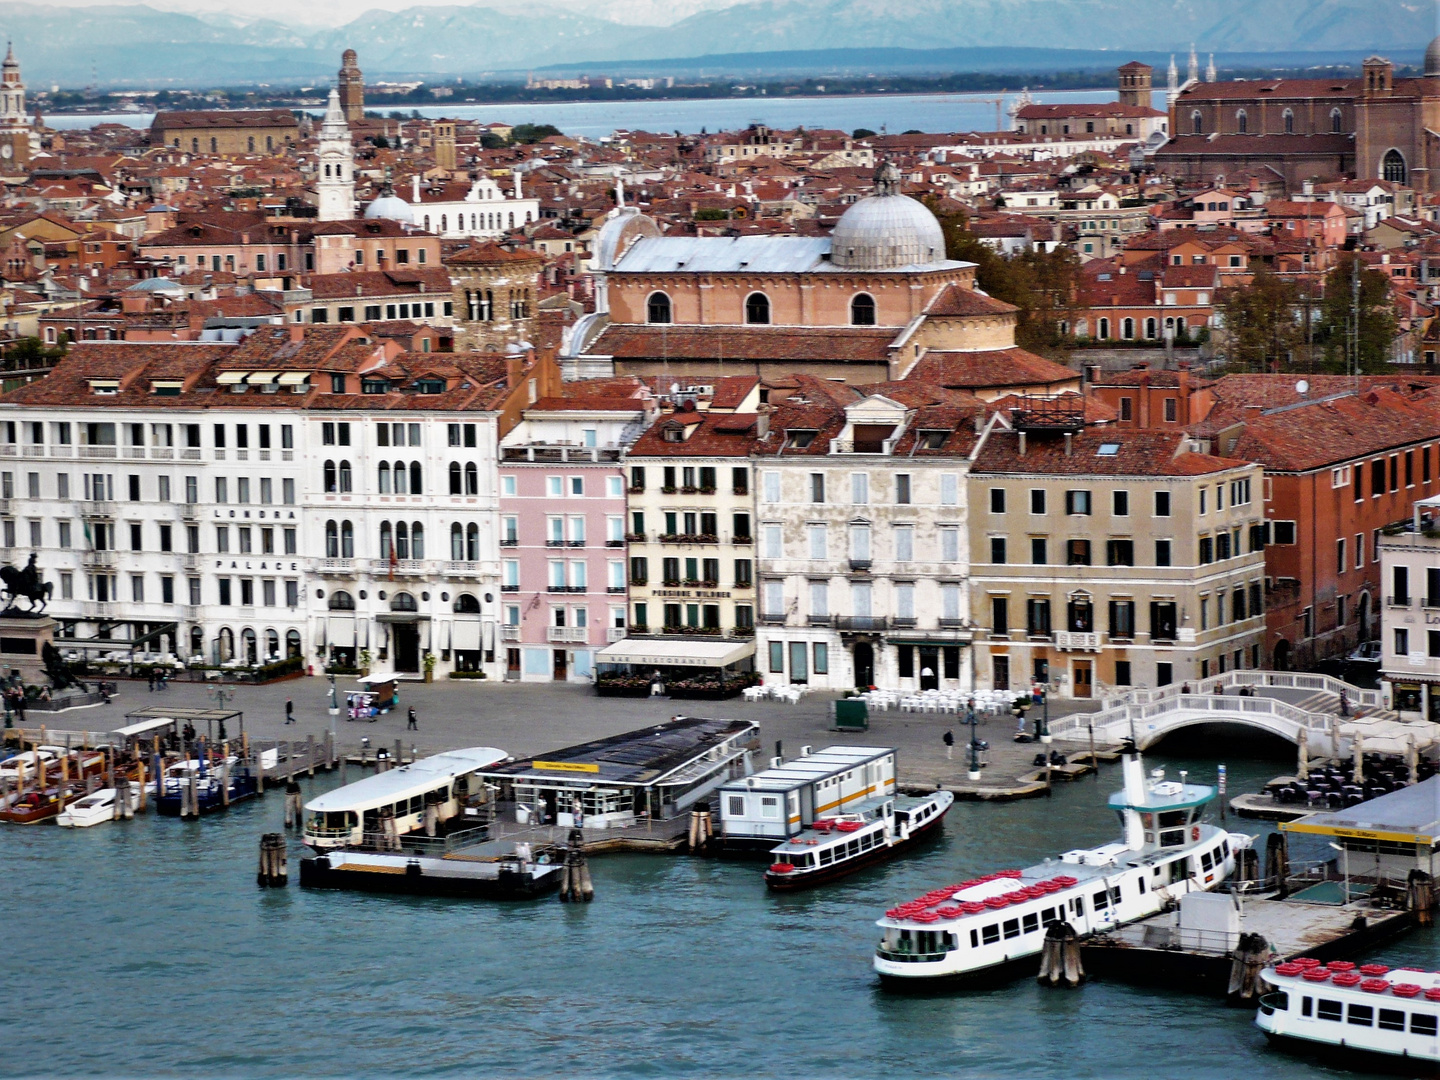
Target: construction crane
(999, 103)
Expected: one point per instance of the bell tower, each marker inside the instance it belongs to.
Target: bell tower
(14, 126)
(335, 171)
(1135, 84)
(352, 87)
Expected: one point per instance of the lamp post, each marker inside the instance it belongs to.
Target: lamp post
(334, 698)
(1042, 719)
(974, 722)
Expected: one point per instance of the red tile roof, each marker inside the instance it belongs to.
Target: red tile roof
(724, 344)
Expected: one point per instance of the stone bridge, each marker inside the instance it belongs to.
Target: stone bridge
(1149, 715)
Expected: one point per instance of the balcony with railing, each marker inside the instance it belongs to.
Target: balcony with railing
(98, 508)
(97, 559)
(509, 633)
(616, 633)
(344, 567)
(592, 455)
(99, 609)
(577, 634)
(88, 451)
(1398, 601)
(1077, 640)
(689, 538)
(462, 568)
(863, 624)
(407, 567)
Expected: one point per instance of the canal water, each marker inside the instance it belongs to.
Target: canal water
(143, 948)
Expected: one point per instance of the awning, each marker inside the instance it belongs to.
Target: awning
(293, 378)
(230, 378)
(467, 633)
(342, 631)
(683, 652)
(258, 377)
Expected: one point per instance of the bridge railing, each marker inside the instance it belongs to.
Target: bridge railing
(1287, 680)
(1116, 723)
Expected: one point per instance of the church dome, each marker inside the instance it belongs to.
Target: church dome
(390, 206)
(1432, 58)
(887, 230)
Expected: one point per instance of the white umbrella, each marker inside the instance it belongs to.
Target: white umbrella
(1302, 746)
(1359, 774)
(1412, 759)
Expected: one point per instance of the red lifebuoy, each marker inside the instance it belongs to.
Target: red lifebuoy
(1195, 832)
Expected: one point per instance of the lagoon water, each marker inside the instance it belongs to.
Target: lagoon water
(143, 948)
(594, 119)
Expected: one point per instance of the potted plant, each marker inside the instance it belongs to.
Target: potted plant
(429, 664)
(364, 659)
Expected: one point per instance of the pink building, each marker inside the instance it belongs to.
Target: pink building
(562, 528)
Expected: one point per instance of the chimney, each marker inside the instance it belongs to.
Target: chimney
(1022, 443)
(514, 368)
(1069, 443)
(415, 188)
(762, 425)
(1092, 373)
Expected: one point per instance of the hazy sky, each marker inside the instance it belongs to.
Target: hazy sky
(338, 12)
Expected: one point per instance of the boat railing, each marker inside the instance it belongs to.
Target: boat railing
(897, 957)
(420, 844)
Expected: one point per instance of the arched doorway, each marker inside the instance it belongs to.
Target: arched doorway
(864, 664)
(1282, 655)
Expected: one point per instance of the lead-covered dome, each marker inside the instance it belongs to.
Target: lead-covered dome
(391, 207)
(1432, 58)
(887, 230)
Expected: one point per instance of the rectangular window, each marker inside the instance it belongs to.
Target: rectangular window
(997, 500)
(1120, 503)
(859, 488)
(904, 543)
(1340, 564)
(902, 489)
(817, 487)
(771, 481)
(949, 543)
(777, 657)
(1038, 554)
(771, 536)
(224, 584)
(949, 489)
(1000, 614)
(1162, 504)
(1077, 502)
(1037, 500)
(822, 658)
(1402, 641)
(997, 550)
(1120, 553)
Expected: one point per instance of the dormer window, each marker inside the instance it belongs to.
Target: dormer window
(430, 386)
(166, 387)
(799, 439)
(107, 387)
(933, 440)
(374, 386)
(337, 384)
(673, 433)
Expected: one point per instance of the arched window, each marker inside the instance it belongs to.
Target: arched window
(292, 644)
(415, 488)
(332, 540)
(384, 478)
(1242, 121)
(346, 483)
(340, 600)
(247, 638)
(455, 477)
(197, 641)
(862, 311)
(330, 477)
(272, 645)
(657, 308)
(1150, 327)
(417, 541)
(347, 540)
(1289, 118)
(402, 540)
(1103, 331)
(386, 547)
(1337, 118)
(403, 601)
(1392, 167)
(1197, 123)
(472, 479)
(402, 479)
(457, 543)
(472, 542)
(467, 604)
(757, 309)
(1127, 328)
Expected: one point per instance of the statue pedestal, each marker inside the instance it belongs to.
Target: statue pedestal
(21, 643)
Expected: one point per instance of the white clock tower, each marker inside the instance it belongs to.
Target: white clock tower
(14, 126)
(335, 175)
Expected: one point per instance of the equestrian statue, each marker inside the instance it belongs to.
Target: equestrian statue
(26, 583)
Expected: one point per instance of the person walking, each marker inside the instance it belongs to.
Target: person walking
(1344, 704)
(949, 745)
(410, 724)
(151, 674)
(289, 711)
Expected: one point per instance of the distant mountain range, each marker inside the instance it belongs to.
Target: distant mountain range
(140, 45)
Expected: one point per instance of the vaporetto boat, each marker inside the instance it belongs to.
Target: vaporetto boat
(1370, 1012)
(992, 928)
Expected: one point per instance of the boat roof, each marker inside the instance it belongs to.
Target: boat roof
(416, 777)
(144, 727)
(1166, 795)
(645, 756)
(1408, 816)
(820, 765)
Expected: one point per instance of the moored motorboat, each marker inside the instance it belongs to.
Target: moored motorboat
(1372, 1014)
(33, 807)
(94, 809)
(993, 927)
(516, 875)
(207, 787)
(866, 834)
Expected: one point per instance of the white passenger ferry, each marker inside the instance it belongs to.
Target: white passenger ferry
(343, 817)
(1369, 1012)
(841, 844)
(993, 927)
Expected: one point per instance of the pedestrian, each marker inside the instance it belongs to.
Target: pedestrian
(20, 705)
(289, 711)
(1184, 688)
(1344, 705)
(949, 745)
(151, 680)
(411, 725)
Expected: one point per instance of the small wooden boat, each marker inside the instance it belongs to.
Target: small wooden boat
(34, 807)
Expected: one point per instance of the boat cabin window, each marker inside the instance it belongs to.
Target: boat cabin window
(1100, 900)
(1141, 883)
(737, 805)
(974, 939)
(1422, 1024)
(1171, 819)
(1361, 1015)
(1050, 915)
(769, 806)
(1307, 1006)
(990, 934)
(1392, 1020)
(1225, 848)
(1329, 1010)
(1032, 923)
(827, 855)
(1012, 928)
(1205, 863)
(1077, 905)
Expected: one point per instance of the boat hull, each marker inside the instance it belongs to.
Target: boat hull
(317, 873)
(794, 882)
(241, 788)
(1354, 1057)
(1001, 974)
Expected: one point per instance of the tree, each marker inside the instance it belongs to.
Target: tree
(380, 142)
(1260, 323)
(1377, 319)
(1042, 284)
(862, 133)
(532, 133)
(28, 353)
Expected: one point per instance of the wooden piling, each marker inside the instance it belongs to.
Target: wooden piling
(1060, 957)
(575, 883)
(1252, 953)
(1420, 897)
(292, 804)
(274, 862)
(310, 752)
(399, 758)
(289, 764)
(225, 775)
